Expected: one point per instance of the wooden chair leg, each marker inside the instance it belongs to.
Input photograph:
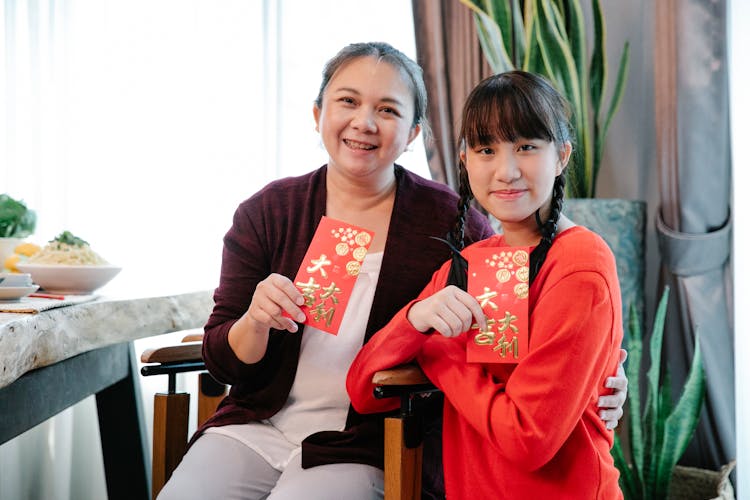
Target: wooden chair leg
(210, 394)
(170, 436)
(403, 465)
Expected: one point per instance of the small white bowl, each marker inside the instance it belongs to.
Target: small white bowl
(15, 279)
(69, 280)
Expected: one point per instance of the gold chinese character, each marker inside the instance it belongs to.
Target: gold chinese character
(484, 337)
(329, 292)
(486, 298)
(320, 312)
(507, 322)
(504, 346)
(318, 265)
(308, 291)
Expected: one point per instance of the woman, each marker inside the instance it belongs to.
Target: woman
(528, 429)
(286, 430)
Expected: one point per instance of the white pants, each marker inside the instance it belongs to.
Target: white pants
(220, 467)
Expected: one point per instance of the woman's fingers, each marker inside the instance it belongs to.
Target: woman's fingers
(273, 297)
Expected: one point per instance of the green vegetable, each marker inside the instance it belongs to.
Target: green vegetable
(16, 221)
(69, 239)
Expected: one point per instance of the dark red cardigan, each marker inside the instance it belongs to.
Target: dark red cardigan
(270, 234)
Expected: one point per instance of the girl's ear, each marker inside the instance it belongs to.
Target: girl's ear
(565, 152)
(462, 155)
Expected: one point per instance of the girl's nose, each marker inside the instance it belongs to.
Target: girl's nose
(506, 168)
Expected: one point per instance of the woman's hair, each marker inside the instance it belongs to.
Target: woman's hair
(506, 107)
(392, 56)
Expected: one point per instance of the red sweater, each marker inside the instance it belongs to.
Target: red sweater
(529, 430)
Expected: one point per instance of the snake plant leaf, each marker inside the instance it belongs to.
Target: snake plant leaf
(598, 68)
(519, 34)
(627, 478)
(635, 355)
(500, 12)
(614, 104)
(491, 39)
(650, 415)
(576, 30)
(682, 421)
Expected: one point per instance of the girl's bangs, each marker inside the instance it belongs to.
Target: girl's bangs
(504, 113)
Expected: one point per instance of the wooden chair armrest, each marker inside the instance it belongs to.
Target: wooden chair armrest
(409, 374)
(188, 351)
(193, 337)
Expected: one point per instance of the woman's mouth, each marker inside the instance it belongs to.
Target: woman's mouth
(359, 145)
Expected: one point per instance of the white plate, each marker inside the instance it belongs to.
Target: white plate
(16, 292)
(67, 280)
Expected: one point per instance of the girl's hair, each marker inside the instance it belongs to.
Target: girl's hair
(392, 56)
(506, 107)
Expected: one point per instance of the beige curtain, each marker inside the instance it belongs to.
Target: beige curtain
(449, 52)
(693, 221)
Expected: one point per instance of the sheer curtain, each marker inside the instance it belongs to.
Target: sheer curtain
(139, 125)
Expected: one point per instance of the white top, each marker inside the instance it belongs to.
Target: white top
(318, 400)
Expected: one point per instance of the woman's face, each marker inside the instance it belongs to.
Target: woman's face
(511, 180)
(366, 117)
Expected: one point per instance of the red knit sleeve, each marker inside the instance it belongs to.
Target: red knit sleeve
(396, 343)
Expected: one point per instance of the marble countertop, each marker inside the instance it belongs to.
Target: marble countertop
(29, 341)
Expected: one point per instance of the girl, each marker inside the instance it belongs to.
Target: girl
(525, 430)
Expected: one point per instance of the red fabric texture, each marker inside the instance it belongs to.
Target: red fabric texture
(529, 430)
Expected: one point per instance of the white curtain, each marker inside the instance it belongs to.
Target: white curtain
(139, 125)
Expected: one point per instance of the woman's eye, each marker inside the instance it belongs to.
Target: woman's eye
(526, 147)
(485, 151)
(390, 111)
(346, 100)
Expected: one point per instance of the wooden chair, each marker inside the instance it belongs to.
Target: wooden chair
(403, 433)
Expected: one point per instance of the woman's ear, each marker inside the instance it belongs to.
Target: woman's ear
(316, 116)
(412, 135)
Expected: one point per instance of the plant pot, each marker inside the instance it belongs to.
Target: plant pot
(691, 483)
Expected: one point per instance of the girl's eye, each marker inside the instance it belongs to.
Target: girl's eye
(390, 111)
(526, 147)
(485, 151)
(346, 100)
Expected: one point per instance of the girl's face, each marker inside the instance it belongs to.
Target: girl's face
(511, 180)
(366, 117)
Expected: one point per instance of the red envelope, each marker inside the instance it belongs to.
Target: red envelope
(499, 279)
(329, 270)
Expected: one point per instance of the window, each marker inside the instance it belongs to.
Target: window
(140, 125)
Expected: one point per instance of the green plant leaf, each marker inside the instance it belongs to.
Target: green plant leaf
(627, 478)
(652, 427)
(491, 39)
(632, 372)
(598, 68)
(519, 34)
(500, 12)
(16, 220)
(681, 423)
(614, 104)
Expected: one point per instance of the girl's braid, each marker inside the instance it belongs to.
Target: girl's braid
(464, 200)
(548, 229)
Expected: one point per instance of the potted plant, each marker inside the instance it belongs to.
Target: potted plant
(16, 222)
(548, 37)
(659, 431)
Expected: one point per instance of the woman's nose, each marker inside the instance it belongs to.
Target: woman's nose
(364, 120)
